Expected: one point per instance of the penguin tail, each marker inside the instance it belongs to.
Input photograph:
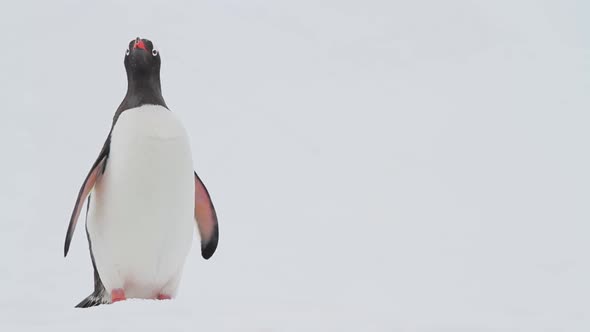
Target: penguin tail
(94, 299)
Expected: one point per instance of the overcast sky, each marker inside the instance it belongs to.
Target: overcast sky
(376, 165)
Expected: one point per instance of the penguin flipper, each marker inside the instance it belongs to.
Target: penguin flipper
(206, 218)
(95, 172)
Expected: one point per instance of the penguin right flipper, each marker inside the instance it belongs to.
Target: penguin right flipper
(206, 218)
(95, 172)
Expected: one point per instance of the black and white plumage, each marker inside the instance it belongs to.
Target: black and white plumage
(145, 194)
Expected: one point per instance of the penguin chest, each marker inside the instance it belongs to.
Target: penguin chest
(140, 220)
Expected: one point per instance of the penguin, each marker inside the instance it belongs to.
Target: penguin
(142, 194)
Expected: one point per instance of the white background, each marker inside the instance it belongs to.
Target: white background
(376, 165)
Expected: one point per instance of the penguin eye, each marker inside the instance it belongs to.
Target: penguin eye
(154, 52)
(127, 52)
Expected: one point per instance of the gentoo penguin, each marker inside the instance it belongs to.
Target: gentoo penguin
(145, 194)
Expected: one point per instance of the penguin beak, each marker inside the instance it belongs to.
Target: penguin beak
(139, 44)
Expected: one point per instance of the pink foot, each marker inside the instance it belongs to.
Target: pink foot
(118, 294)
(164, 297)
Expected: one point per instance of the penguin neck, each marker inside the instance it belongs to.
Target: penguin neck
(141, 91)
(145, 90)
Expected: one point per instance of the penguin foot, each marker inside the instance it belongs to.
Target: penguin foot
(118, 294)
(164, 297)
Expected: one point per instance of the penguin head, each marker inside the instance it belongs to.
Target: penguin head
(142, 60)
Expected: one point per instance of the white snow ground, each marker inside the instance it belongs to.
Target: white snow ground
(376, 165)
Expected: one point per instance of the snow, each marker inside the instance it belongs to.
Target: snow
(376, 165)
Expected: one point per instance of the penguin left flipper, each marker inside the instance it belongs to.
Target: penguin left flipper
(206, 219)
(94, 174)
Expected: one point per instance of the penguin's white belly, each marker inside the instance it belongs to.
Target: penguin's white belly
(141, 215)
